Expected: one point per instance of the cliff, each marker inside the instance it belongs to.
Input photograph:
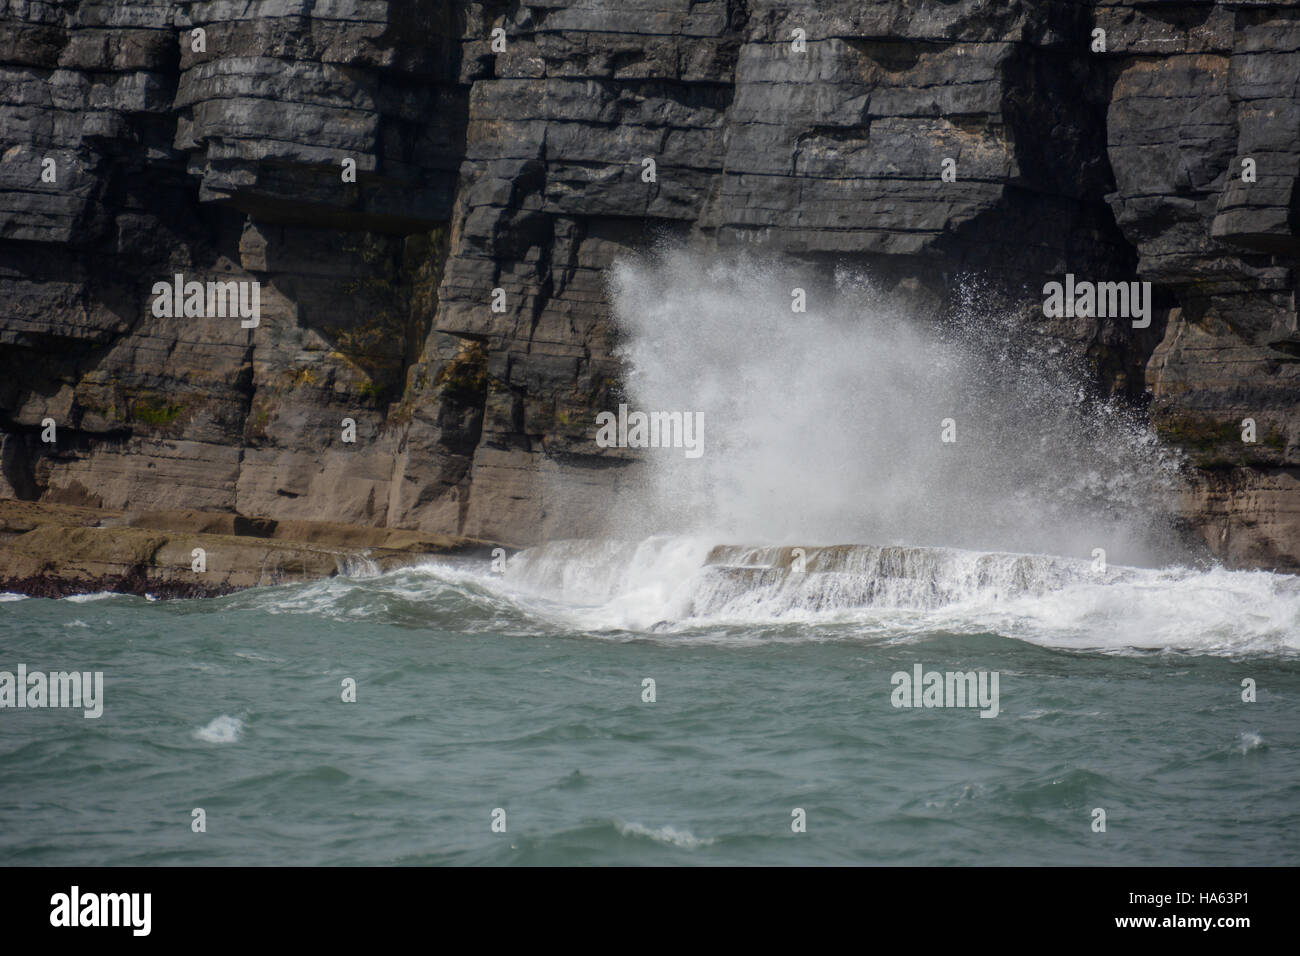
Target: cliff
(213, 139)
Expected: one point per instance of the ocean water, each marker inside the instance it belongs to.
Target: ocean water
(522, 690)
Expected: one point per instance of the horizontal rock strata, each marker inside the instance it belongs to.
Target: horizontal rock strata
(57, 550)
(210, 140)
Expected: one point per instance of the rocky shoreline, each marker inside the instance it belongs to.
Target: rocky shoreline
(55, 551)
(423, 200)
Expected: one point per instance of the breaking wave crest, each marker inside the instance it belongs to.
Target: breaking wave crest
(691, 589)
(682, 583)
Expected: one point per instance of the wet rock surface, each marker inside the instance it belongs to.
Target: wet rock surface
(56, 550)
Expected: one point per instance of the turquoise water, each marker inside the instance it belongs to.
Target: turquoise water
(477, 692)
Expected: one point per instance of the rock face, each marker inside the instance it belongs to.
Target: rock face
(146, 139)
(56, 550)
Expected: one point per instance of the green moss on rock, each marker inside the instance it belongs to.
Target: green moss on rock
(156, 411)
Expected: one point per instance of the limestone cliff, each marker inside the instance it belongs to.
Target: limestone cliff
(207, 139)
